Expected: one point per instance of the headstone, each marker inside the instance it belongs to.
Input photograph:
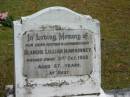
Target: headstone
(57, 53)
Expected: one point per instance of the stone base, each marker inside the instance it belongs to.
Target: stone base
(110, 93)
(10, 93)
(102, 94)
(9, 90)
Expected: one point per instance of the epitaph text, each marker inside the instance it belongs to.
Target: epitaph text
(55, 53)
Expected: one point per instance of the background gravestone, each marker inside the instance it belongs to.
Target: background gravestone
(57, 53)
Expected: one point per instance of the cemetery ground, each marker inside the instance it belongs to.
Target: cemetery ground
(114, 16)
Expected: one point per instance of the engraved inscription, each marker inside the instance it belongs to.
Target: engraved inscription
(55, 53)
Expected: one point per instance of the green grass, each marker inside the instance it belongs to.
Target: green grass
(114, 16)
(6, 58)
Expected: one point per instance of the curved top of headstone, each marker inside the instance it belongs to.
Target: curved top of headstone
(52, 11)
(58, 16)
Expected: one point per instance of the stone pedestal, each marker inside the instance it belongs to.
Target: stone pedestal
(9, 90)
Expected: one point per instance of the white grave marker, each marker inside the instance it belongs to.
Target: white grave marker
(57, 53)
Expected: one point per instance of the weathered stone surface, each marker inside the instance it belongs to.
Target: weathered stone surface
(55, 53)
(9, 91)
(108, 93)
(75, 73)
(118, 92)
